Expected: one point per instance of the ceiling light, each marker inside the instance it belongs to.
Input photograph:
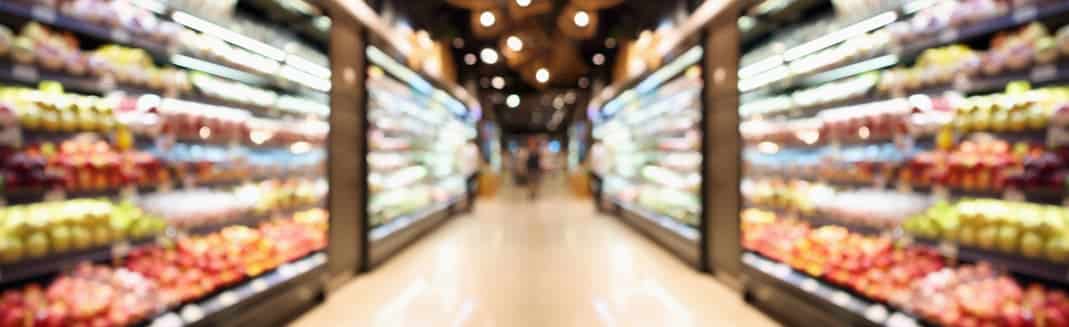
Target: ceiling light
(470, 59)
(558, 102)
(523, 3)
(498, 82)
(610, 43)
(599, 59)
(512, 101)
(582, 18)
(488, 56)
(487, 19)
(514, 43)
(542, 75)
(458, 43)
(584, 82)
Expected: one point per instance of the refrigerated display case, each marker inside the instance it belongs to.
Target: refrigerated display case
(646, 157)
(422, 157)
(154, 169)
(908, 169)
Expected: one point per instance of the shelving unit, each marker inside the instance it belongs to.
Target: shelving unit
(798, 148)
(655, 117)
(119, 131)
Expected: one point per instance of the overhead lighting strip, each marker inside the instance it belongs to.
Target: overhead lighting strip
(225, 34)
(841, 35)
(215, 69)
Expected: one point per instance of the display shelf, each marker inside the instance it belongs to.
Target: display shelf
(31, 75)
(252, 219)
(1015, 263)
(677, 227)
(835, 301)
(50, 16)
(818, 220)
(221, 307)
(394, 225)
(33, 268)
(1018, 16)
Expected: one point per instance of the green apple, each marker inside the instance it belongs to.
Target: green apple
(81, 238)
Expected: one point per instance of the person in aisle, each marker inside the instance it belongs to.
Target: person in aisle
(534, 167)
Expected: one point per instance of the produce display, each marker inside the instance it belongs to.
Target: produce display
(145, 166)
(647, 145)
(928, 176)
(421, 150)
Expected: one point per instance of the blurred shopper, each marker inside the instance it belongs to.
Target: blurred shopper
(534, 167)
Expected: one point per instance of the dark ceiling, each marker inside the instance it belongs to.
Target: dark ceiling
(537, 110)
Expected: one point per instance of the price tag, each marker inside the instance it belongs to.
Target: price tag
(898, 319)
(1043, 73)
(1025, 14)
(43, 14)
(129, 193)
(228, 298)
(940, 192)
(56, 194)
(120, 250)
(168, 320)
(949, 250)
(840, 298)
(810, 285)
(120, 35)
(1013, 194)
(192, 313)
(876, 313)
(25, 73)
(258, 285)
(948, 35)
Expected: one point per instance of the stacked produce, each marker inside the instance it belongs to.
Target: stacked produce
(51, 110)
(1013, 111)
(55, 227)
(135, 20)
(91, 295)
(1027, 229)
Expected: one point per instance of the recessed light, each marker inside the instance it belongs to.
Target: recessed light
(458, 43)
(488, 56)
(512, 101)
(542, 75)
(514, 43)
(498, 82)
(599, 59)
(470, 59)
(610, 43)
(523, 3)
(487, 18)
(582, 18)
(584, 82)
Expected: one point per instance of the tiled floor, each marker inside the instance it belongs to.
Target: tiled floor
(553, 262)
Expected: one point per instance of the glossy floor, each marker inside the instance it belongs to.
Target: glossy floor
(551, 262)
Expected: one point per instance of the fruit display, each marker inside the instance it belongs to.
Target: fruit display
(284, 194)
(1027, 229)
(231, 91)
(90, 295)
(979, 295)
(135, 20)
(54, 111)
(40, 229)
(1012, 111)
(133, 66)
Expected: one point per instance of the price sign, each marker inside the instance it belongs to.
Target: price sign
(25, 73)
(1025, 14)
(948, 35)
(43, 14)
(192, 313)
(876, 313)
(120, 35)
(1043, 73)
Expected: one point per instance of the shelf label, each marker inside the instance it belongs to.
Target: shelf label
(44, 14)
(840, 298)
(898, 319)
(25, 73)
(1043, 73)
(948, 35)
(228, 298)
(120, 35)
(949, 250)
(1025, 14)
(1013, 194)
(56, 194)
(876, 313)
(192, 313)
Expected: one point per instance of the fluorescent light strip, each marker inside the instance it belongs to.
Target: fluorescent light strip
(760, 66)
(151, 5)
(308, 66)
(404, 73)
(296, 75)
(766, 78)
(841, 35)
(858, 68)
(657, 78)
(917, 5)
(215, 69)
(206, 27)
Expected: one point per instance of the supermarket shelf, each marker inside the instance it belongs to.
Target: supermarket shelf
(31, 75)
(837, 304)
(233, 305)
(253, 219)
(32, 268)
(387, 239)
(33, 195)
(47, 15)
(1015, 263)
(1017, 17)
(681, 239)
(817, 220)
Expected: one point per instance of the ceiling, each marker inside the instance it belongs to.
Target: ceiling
(567, 54)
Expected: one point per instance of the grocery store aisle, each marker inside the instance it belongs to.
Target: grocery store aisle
(553, 262)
